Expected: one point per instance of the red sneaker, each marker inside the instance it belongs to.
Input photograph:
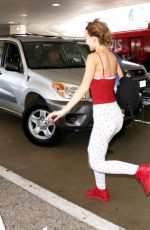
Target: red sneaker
(101, 194)
(143, 175)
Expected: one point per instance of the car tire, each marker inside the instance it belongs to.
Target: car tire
(38, 132)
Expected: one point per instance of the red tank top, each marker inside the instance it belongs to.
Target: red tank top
(102, 89)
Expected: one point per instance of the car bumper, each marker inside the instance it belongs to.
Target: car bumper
(79, 118)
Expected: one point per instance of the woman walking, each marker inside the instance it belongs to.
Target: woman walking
(100, 74)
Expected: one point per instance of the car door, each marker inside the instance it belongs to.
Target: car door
(11, 79)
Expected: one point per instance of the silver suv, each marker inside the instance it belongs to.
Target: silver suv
(39, 74)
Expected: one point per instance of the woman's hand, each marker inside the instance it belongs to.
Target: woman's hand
(55, 116)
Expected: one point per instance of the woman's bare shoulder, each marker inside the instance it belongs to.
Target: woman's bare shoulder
(112, 55)
(91, 57)
(94, 56)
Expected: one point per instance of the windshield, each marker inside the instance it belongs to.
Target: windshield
(53, 55)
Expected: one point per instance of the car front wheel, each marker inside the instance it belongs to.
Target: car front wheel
(37, 130)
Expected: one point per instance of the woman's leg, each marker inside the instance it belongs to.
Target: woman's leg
(107, 122)
(105, 127)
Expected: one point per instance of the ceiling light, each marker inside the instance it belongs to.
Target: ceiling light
(55, 4)
(24, 15)
(11, 22)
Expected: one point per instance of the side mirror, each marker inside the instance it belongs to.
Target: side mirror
(12, 67)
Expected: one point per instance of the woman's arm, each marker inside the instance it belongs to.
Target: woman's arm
(80, 92)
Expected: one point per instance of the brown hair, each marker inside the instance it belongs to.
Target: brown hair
(100, 30)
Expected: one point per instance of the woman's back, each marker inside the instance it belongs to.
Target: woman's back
(106, 64)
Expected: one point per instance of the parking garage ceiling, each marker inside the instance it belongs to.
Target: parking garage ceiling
(39, 15)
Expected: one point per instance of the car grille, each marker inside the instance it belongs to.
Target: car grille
(140, 74)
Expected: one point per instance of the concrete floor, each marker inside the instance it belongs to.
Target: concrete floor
(64, 169)
(22, 210)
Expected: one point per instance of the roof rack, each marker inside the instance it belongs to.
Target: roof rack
(33, 34)
(73, 39)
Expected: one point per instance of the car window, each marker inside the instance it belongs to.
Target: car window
(74, 54)
(84, 46)
(2, 43)
(13, 55)
(44, 55)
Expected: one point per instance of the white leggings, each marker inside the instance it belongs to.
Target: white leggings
(108, 120)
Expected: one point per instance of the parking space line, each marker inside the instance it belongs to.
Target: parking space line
(64, 205)
(142, 121)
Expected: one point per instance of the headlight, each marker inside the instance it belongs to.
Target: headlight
(128, 74)
(65, 90)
